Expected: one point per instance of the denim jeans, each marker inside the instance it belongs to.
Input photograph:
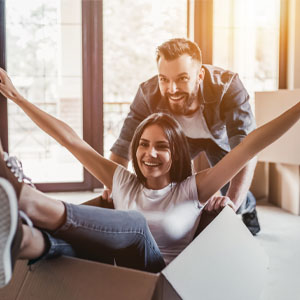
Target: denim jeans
(214, 153)
(108, 236)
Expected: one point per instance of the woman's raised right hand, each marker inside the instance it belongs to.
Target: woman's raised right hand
(7, 88)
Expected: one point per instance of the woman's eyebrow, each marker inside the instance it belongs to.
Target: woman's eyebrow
(163, 142)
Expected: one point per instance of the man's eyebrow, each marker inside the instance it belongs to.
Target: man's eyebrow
(178, 75)
(183, 73)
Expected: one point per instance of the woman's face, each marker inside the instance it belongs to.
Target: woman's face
(154, 157)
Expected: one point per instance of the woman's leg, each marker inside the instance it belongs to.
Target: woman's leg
(33, 243)
(100, 234)
(44, 211)
(94, 233)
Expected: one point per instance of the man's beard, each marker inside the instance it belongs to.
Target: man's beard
(183, 107)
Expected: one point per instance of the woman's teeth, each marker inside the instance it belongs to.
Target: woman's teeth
(150, 164)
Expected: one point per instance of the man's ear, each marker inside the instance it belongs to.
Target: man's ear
(201, 73)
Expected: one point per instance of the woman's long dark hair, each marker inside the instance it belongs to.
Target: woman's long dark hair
(181, 166)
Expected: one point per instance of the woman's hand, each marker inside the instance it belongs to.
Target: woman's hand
(7, 88)
(217, 203)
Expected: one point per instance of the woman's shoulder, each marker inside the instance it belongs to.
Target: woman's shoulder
(189, 187)
(123, 175)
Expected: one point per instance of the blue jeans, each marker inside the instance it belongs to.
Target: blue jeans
(108, 236)
(214, 153)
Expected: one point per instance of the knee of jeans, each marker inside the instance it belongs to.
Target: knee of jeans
(139, 219)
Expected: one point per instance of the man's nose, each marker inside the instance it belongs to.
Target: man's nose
(172, 87)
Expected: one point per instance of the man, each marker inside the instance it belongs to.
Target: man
(212, 106)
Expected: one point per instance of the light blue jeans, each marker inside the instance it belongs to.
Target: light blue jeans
(106, 235)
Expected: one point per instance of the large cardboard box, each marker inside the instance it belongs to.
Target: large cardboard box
(283, 155)
(269, 105)
(223, 262)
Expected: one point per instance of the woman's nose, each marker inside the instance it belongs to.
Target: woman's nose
(153, 152)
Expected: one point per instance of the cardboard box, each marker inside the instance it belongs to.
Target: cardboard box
(260, 183)
(223, 262)
(285, 187)
(284, 154)
(269, 105)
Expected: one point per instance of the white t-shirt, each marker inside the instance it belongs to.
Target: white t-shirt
(129, 194)
(194, 126)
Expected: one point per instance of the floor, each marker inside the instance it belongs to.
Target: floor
(280, 237)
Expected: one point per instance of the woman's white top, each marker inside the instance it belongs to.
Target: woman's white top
(172, 213)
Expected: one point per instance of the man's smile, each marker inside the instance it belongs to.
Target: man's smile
(177, 97)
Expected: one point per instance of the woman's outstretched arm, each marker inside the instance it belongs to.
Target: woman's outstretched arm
(211, 180)
(102, 168)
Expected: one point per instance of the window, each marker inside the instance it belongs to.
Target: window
(43, 51)
(246, 41)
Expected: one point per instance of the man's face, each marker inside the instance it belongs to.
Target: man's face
(179, 83)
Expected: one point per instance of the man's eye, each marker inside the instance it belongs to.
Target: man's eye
(162, 79)
(184, 78)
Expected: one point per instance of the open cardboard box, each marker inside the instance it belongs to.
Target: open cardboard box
(223, 262)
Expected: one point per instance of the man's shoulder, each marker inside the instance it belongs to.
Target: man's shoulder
(218, 75)
(150, 85)
(151, 93)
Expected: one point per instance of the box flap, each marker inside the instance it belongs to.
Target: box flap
(76, 279)
(223, 262)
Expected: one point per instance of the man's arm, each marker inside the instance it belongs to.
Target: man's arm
(139, 110)
(236, 110)
(240, 184)
(118, 159)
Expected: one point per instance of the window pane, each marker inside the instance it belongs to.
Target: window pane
(44, 61)
(246, 40)
(132, 30)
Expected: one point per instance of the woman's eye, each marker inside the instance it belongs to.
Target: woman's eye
(143, 144)
(163, 147)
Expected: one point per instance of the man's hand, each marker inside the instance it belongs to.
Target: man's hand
(106, 196)
(217, 203)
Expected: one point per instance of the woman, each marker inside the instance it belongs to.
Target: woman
(163, 180)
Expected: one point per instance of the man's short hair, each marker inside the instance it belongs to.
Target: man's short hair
(174, 48)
